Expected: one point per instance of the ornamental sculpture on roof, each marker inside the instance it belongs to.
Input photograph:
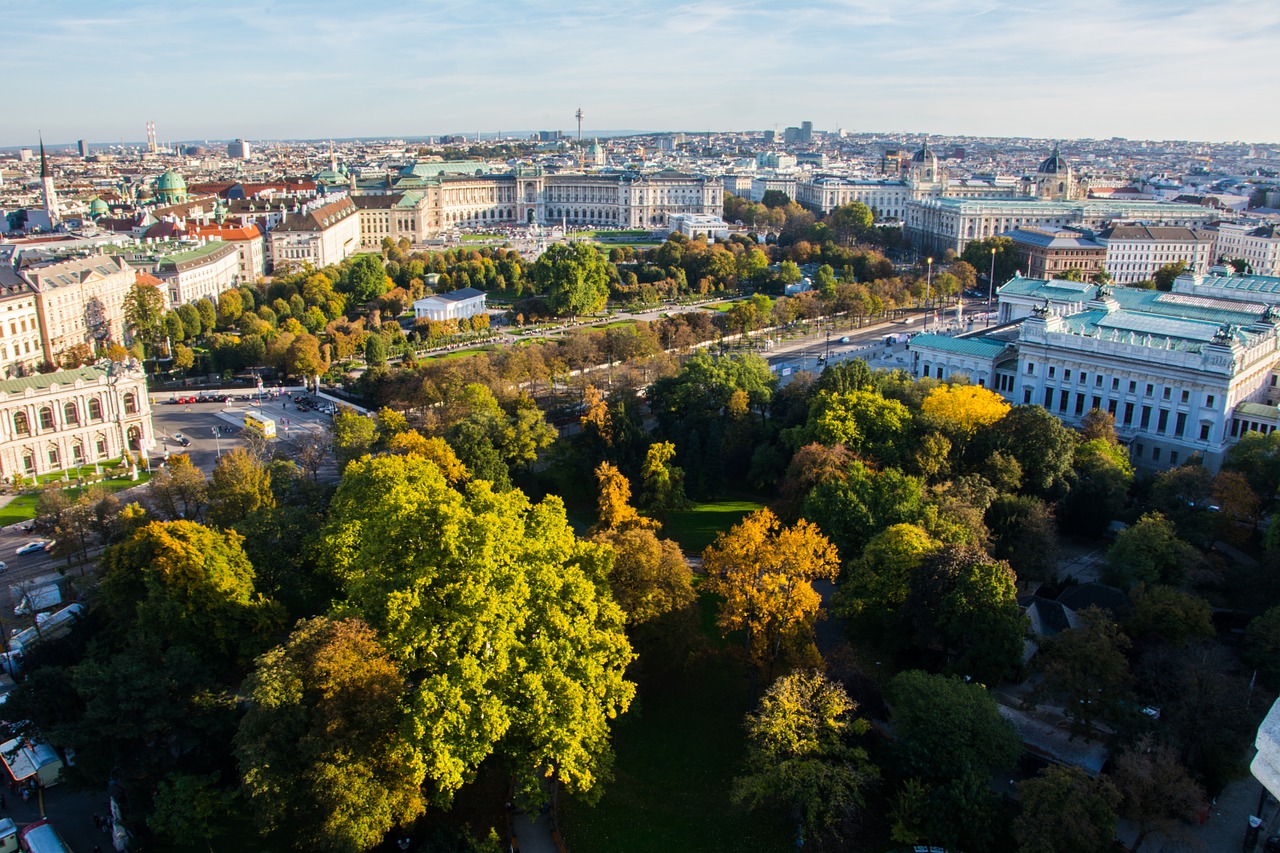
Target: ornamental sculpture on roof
(1224, 335)
(1269, 314)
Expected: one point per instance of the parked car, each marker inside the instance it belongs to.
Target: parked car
(182, 439)
(3, 566)
(31, 547)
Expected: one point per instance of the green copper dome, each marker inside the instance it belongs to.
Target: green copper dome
(98, 207)
(171, 180)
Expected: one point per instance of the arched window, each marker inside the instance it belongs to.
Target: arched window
(46, 418)
(135, 438)
(21, 425)
(95, 409)
(71, 414)
(130, 403)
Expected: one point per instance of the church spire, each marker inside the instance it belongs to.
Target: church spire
(46, 182)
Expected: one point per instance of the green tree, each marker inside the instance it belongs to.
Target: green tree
(965, 604)
(178, 583)
(661, 480)
(208, 316)
(947, 728)
(800, 753)
(876, 585)
(977, 253)
(1166, 274)
(366, 280)
(1149, 552)
(239, 486)
(1025, 534)
(1262, 644)
(1086, 669)
(144, 312)
(1042, 446)
(353, 435)
(322, 748)
(1103, 475)
(1175, 617)
(375, 351)
(190, 807)
(850, 221)
(497, 615)
(1066, 811)
(574, 277)
(192, 324)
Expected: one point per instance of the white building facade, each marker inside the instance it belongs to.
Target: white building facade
(200, 273)
(1181, 374)
(456, 305)
(53, 421)
(324, 232)
(1135, 252)
(1258, 245)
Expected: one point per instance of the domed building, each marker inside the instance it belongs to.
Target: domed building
(98, 208)
(1055, 180)
(924, 167)
(171, 188)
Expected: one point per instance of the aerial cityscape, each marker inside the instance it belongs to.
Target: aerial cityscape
(415, 439)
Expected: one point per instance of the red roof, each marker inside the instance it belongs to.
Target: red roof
(227, 232)
(148, 279)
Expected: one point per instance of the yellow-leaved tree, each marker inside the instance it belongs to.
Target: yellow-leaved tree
(964, 409)
(765, 574)
(616, 513)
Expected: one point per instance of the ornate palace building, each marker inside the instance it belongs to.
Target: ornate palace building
(1183, 373)
(53, 421)
(426, 198)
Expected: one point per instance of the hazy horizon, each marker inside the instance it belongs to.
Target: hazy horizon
(1143, 69)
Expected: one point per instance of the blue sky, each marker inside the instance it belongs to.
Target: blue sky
(99, 69)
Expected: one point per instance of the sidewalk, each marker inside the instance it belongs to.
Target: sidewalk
(1223, 831)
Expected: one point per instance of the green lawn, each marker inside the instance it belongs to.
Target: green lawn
(696, 528)
(678, 749)
(23, 507)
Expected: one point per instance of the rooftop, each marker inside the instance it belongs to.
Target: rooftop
(977, 347)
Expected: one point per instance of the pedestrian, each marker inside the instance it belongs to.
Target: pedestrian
(26, 794)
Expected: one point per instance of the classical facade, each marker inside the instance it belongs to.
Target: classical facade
(1181, 374)
(79, 301)
(199, 273)
(455, 305)
(923, 177)
(934, 225)
(466, 195)
(1135, 252)
(325, 231)
(53, 421)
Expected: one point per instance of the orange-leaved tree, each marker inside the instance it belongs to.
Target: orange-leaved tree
(765, 573)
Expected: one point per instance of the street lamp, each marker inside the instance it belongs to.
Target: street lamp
(826, 359)
(928, 285)
(991, 283)
(217, 442)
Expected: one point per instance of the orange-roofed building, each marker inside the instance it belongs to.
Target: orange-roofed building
(248, 242)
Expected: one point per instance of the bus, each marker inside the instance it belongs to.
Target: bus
(258, 423)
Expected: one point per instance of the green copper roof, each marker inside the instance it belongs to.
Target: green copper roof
(41, 381)
(171, 180)
(976, 347)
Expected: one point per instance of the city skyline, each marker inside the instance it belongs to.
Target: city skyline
(290, 70)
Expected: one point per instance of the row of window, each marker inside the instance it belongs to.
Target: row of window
(1098, 379)
(70, 414)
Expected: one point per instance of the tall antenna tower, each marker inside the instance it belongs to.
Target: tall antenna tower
(152, 147)
(578, 115)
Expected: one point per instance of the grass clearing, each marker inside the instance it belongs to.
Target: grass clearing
(696, 527)
(678, 749)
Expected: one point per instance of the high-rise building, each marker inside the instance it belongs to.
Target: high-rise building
(238, 150)
(806, 131)
(84, 148)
